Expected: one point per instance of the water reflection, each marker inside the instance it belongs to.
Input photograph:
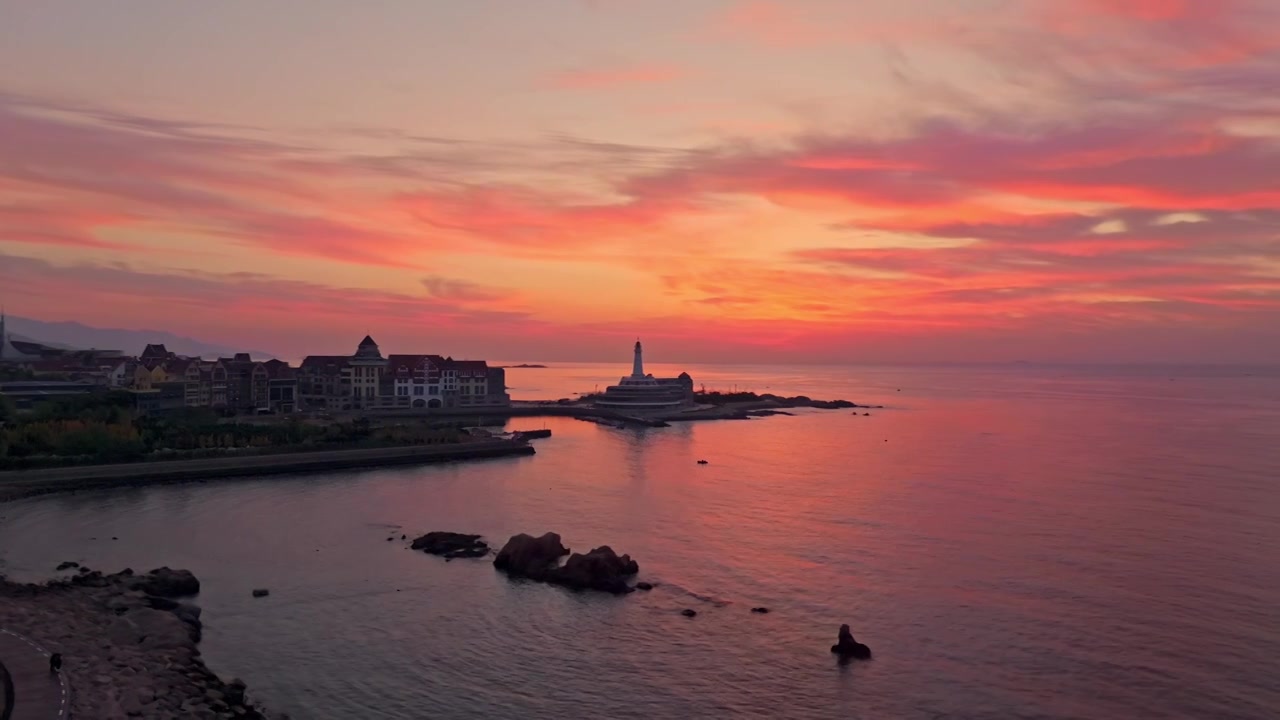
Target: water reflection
(1041, 554)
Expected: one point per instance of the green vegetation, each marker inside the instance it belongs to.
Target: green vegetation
(106, 429)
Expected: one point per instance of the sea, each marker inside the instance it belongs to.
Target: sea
(1012, 541)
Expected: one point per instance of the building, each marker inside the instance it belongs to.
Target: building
(365, 369)
(640, 392)
(246, 383)
(156, 354)
(161, 398)
(324, 383)
(414, 381)
(8, 352)
(27, 394)
(282, 387)
(282, 395)
(368, 380)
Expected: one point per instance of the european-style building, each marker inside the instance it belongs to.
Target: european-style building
(369, 380)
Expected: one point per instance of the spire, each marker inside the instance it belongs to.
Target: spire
(637, 368)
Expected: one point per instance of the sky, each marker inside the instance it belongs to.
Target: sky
(730, 180)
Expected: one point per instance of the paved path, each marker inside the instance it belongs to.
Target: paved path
(38, 693)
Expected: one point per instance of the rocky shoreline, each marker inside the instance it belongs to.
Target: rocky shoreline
(129, 647)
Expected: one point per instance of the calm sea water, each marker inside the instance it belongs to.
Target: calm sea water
(1013, 542)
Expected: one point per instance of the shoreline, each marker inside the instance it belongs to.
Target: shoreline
(16, 484)
(128, 649)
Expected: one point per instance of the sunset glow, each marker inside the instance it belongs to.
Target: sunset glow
(815, 180)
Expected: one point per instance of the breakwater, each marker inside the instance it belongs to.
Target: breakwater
(23, 483)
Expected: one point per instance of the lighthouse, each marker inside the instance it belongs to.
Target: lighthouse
(637, 368)
(638, 392)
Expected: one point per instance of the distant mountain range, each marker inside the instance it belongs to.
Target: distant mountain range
(74, 335)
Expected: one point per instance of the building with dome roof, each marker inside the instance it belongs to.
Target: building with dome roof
(369, 380)
(639, 391)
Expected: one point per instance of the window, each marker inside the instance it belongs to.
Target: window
(435, 389)
(417, 389)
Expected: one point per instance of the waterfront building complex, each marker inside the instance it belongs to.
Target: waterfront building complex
(640, 392)
(164, 381)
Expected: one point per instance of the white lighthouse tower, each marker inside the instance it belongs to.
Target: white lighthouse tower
(637, 367)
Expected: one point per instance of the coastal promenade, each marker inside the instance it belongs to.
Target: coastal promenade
(23, 483)
(37, 693)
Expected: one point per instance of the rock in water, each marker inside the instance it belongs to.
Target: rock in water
(451, 545)
(261, 592)
(527, 556)
(163, 582)
(536, 558)
(600, 569)
(644, 586)
(846, 647)
(234, 692)
(66, 566)
(760, 610)
(689, 613)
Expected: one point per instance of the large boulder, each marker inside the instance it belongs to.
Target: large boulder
(451, 545)
(531, 557)
(150, 628)
(848, 648)
(600, 569)
(163, 582)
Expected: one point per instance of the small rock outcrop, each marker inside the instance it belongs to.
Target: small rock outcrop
(537, 559)
(530, 557)
(601, 569)
(66, 566)
(163, 582)
(234, 692)
(760, 610)
(848, 648)
(689, 613)
(450, 545)
(261, 592)
(644, 586)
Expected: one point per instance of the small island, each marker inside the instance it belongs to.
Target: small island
(524, 366)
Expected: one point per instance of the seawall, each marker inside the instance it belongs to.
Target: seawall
(24, 483)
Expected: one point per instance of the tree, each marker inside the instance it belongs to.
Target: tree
(8, 410)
